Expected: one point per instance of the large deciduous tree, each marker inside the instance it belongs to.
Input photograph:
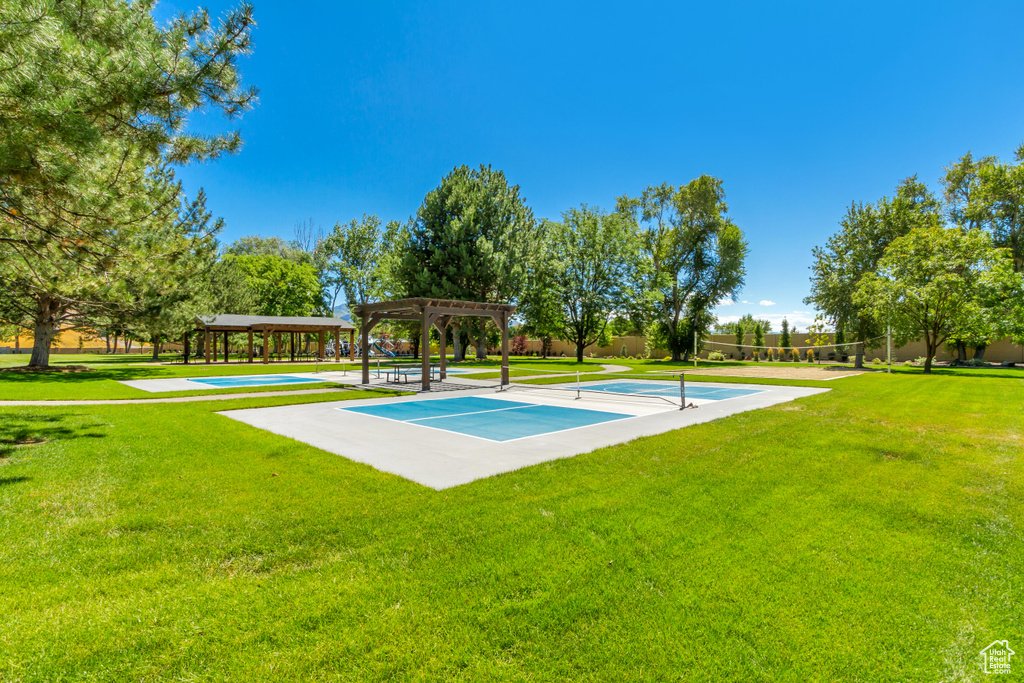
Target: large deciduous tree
(94, 97)
(855, 251)
(279, 286)
(695, 255)
(472, 239)
(593, 262)
(360, 258)
(933, 281)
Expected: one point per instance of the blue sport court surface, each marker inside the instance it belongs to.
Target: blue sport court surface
(488, 418)
(253, 381)
(668, 390)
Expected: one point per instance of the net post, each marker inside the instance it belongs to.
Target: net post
(577, 385)
(682, 391)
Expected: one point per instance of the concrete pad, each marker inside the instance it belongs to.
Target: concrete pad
(442, 459)
(350, 376)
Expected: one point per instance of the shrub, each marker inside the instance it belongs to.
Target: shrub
(975, 363)
(518, 347)
(810, 355)
(622, 351)
(667, 358)
(716, 355)
(876, 361)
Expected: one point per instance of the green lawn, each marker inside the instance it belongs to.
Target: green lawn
(869, 533)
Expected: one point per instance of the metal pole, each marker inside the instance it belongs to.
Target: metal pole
(577, 385)
(378, 368)
(888, 347)
(682, 392)
(695, 346)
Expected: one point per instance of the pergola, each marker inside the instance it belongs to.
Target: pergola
(431, 313)
(269, 325)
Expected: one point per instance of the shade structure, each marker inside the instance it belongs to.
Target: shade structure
(268, 325)
(431, 313)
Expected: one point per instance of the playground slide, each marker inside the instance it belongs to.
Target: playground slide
(378, 349)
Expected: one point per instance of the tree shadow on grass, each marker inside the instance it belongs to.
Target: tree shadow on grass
(6, 481)
(1015, 373)
(31, 430)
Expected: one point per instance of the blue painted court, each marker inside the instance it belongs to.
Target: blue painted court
(668, 390)
(253, 381)
(488, 418)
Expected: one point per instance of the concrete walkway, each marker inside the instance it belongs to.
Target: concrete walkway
(617, 368)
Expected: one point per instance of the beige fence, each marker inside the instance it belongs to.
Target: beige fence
(1000, 351)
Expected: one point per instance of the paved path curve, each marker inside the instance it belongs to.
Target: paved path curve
(616, 368)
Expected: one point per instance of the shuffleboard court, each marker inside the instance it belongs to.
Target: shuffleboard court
(669, 389)
(488, 418)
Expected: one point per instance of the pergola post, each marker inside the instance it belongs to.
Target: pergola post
(504, 348)
(206, 346)
(266, 346)
(225, 346)
(250, 344)
(337, 344)
(185, 349)
(320, 350)
(364, 346)
(351, 345)
(425, 348)
(442, 329)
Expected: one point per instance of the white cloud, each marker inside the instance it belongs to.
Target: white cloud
(725, 302)
(745, 301)
(766, 302)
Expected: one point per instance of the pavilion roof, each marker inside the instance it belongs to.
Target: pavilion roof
(241, 323)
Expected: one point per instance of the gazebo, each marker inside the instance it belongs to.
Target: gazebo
(431, 313)
(268, 325)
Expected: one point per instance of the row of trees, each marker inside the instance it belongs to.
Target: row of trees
(658, 263)
(946, 270)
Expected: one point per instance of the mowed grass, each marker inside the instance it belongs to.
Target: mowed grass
(869, 533)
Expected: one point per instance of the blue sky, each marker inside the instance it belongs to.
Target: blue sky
(799, 108)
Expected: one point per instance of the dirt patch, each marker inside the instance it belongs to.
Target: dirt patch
(780, 372)
(58, 369)
(27, 441)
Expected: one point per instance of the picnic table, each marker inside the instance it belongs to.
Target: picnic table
(403, 370)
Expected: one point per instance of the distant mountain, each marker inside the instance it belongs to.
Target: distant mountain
(342, 312)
